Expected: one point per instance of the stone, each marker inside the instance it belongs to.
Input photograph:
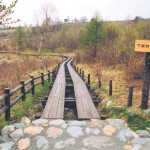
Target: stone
(54, 132)
(109, 130)
(25, 121)
(8, 129)
(63, 144)
(117, 123)
(75, 131)
(137, 147)
(46, 147)
(42, 142)
(6, 146)
(40, 122)
(24, 143)
(143, 133)
(126, 134)
(17, 134)
(96, 123)
(33, 130)
(108, 104)
(19, 125)
(58, 122)
(141, 141)
(98, 142)
(128, 147)
(77, 123)
(91, 130)
(147, 111)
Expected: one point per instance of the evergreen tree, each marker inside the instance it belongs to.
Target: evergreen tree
(93, 34)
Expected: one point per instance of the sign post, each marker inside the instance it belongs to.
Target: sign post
(144, 46)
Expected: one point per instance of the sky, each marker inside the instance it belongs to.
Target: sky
(108, 9)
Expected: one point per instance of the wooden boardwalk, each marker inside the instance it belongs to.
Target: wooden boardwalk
(54, 108)
(84, 103)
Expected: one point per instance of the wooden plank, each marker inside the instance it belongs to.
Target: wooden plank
(84, 103)
(55, 104)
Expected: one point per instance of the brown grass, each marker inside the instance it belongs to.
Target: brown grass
(14, 68)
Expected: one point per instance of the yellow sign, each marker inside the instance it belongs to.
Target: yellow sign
(142, 45)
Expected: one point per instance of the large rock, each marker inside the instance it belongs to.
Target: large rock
(63, 144)
(126, 134)
(40, 122)
(77, 123)
(42, 142)
(33, 130)
(54, 132)
(19, 125)
(92, 130)
(24, 143)
(143, 133)
(109, 130)
(8, 129)
(26, 121)
(141, 141)
(117, 123)
(75, 131)
(96, 123)
(17, 134)
(6, 146)
(98, 142)
(58, 122)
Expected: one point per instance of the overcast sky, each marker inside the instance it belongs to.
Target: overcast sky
(109, 9)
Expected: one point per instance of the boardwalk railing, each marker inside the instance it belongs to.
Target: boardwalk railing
(24, 87)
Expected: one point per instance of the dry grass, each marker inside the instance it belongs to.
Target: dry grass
(14, 68)
(120, 84)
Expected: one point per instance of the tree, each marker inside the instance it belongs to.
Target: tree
(93, 35)
(5, 12)
(20, 37)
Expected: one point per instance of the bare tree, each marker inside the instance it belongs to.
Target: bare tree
(44, 22)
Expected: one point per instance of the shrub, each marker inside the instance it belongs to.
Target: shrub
(134, 69)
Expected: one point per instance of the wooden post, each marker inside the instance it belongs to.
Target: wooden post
(80, 72)
(89, 79)
(83, 74)
(110, 88)
(32, 84)
(42, 78)
(130, 96)
(53, 76)
(99, 83)
(23, 90)
(146, 80)
(49, 77)
(77, 70)
(7, 104)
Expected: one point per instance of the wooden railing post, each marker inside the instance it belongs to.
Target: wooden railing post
(83, 74)
(42, 78)
(130, 96)
(49, 77)
(23, 90)
(77, 70)
(110, 88)
(53, 76)
(80, 72)
(99, 83)
(32, 84)
(89, 79)
(7, 104)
